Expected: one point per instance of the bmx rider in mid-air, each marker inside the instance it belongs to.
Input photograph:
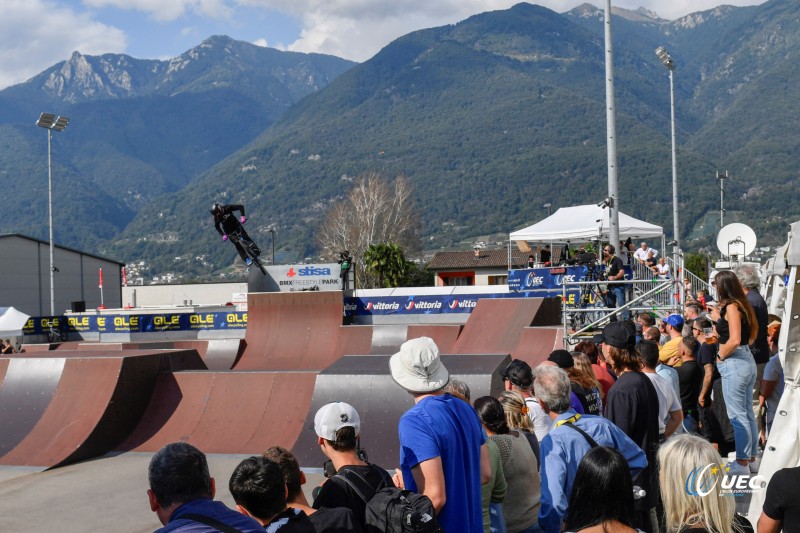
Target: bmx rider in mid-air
(230, 227)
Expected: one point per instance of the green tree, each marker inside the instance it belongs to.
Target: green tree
(696, 264)
(386, 263)
(417, 276)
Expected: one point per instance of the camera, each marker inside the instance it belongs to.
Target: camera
(329, 470)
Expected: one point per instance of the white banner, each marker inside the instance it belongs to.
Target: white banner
(293, 278)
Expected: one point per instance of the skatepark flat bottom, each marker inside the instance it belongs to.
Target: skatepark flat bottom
(105, 494)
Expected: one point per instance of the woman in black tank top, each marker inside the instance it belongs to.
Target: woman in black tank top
(736, 325)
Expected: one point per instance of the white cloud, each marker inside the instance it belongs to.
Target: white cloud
(35, 34)
(165, 10)
(357, 29)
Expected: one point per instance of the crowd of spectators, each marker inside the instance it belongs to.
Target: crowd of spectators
(627, 433)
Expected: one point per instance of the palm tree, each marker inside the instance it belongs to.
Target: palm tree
(386, 261)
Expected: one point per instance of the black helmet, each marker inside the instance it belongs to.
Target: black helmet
(216, 209)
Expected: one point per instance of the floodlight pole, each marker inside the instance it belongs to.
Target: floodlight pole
(50, 220)
(668, 62)
(272, 231)
(721, 179)
(51, 122)
(611, 131)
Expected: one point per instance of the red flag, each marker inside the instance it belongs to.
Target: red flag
(101, 278)
(124, 278)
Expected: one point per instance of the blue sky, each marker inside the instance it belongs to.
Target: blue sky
(36, 34)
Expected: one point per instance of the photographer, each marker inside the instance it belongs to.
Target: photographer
(338, 427)
(615, 297)
(345, 261)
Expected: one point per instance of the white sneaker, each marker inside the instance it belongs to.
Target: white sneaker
(734, 468)
(755, 465)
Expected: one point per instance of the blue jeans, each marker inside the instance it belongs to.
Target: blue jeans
(690, 423)
(738, 372)
(616, 298)
(497, 520)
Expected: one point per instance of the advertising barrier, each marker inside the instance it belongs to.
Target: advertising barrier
(423, 305)
(128, 323)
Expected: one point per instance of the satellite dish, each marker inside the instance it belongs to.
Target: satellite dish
(736, 240)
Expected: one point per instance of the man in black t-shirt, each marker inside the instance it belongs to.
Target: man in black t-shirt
(324, 520)
(632, 405)
(614, 272)
(781, 506)
(338, 427)
(690, 379)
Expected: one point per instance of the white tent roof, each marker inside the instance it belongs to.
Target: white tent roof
(582, 223)
(11, 322)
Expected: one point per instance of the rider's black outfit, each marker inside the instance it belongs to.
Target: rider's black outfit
(228, 224)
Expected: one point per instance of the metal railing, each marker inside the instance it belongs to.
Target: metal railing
(652, 291)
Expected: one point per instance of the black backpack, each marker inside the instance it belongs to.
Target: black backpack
(392, 510)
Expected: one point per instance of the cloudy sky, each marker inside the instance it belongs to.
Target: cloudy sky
(35, 34)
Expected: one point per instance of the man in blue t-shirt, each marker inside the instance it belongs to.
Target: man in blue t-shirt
(443, 453)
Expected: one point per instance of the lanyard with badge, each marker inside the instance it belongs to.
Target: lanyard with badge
(570, 420)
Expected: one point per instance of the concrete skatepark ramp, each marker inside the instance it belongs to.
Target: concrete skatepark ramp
(86, 399)
(64, 408)
(525, 328)
(291, 331)
(224, 412)
(366, 384)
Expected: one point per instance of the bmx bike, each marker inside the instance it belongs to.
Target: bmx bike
(249, 246)
(591, 300)
(59, 333)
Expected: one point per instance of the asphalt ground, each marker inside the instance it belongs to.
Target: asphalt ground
(108, 494)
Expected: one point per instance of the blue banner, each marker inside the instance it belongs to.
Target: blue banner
(127, 323)
(424, 305)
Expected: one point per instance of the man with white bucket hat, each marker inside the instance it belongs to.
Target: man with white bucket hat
(443, 453)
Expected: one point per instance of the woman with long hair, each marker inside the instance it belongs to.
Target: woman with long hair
(737, 328)
(523, 485)
(517, 418)
(602, 494)
(598, 364)
(689, 476)
(582, 374)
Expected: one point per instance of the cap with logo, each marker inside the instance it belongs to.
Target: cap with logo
(334, 416)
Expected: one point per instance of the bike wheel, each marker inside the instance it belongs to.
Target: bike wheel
(63, 335)
(51, 337)
(260, 266)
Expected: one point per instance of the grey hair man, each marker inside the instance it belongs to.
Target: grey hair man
(459, 389)
(572, 436)
(182, 492)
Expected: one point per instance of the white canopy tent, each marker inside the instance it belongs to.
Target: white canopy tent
(584, 223)
(11, 322)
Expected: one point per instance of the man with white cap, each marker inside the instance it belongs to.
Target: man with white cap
(443, 454)
(338, 427)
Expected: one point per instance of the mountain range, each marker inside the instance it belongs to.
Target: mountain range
(488, 119)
